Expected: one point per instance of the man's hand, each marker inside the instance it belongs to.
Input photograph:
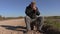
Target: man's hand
(34, 8)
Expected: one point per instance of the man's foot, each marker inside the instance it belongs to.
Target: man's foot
(29, 32)
(41, 31)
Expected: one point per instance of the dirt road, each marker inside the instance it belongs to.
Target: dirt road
(11, 26)
(13, 22)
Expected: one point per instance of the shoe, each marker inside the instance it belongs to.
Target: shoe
(41, 31)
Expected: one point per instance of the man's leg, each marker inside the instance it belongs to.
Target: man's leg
(27, 21)
(40, 23)
(32, 25)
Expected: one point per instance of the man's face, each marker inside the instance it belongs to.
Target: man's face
(33, 5)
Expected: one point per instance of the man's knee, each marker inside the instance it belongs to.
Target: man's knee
(27, 18)
(40, 20)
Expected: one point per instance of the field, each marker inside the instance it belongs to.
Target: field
(18, 26)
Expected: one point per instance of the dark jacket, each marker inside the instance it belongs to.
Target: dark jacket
(31, 13)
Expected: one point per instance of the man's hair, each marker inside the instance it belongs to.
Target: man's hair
(33, 2)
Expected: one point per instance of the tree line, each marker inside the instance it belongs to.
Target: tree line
(5, 18)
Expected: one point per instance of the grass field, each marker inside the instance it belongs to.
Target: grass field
(51, 24)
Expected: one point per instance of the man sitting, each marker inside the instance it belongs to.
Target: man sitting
(32, 17)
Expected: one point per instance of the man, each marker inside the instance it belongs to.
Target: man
(32, 18)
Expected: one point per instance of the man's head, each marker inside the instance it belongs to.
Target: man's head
(33, 4)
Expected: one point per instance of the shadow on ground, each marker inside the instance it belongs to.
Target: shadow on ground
(15, 28)
(47, 29)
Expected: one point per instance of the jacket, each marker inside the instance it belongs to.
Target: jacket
(32, 13)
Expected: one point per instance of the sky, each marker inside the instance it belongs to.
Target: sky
(15, 8)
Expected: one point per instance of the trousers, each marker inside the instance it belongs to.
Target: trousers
(30, 23)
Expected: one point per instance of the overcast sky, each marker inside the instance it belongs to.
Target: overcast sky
(15, 8)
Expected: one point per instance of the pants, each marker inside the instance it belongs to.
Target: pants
(30, 23)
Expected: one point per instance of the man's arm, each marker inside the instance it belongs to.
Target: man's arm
(37, 13)
(28, 11)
